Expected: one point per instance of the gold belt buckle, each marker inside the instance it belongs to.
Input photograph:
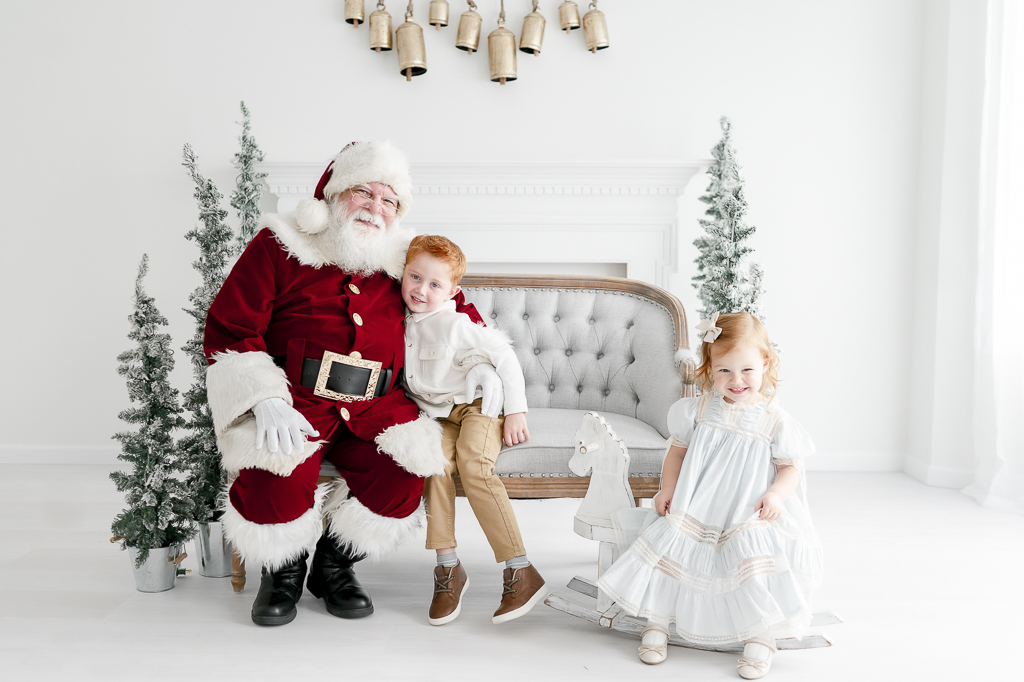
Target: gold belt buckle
(325, 373)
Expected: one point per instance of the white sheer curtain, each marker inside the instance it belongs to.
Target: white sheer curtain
(999, 326)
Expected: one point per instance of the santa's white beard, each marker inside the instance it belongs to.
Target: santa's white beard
(356, 248)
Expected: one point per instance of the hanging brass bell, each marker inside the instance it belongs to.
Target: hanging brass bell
(468, 37)
(533, 32)
(354, 12)
(501, 47)
(569, 15)
(412, 53)
(380, 30)
(595, 28)
(438, 14)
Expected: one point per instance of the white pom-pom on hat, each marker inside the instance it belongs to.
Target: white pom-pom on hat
(312, 216)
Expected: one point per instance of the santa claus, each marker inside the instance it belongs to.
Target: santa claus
(306, 348)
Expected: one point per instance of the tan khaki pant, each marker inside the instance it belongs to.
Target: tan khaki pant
(471, 442)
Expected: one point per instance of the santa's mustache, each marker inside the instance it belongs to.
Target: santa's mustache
(363, 214)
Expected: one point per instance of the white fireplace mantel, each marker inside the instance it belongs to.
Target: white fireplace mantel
(538, 217)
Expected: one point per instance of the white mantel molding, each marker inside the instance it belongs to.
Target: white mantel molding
(487, 207)
(291, 182)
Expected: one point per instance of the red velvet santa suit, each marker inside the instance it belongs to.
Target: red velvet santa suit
(284, 298)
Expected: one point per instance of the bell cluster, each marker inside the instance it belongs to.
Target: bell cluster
(501, 42)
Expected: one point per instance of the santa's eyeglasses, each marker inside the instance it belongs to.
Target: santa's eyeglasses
(365, 197)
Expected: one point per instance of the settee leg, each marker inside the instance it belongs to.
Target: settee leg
(237, 572)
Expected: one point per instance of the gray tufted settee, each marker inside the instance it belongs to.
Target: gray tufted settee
(599, 344)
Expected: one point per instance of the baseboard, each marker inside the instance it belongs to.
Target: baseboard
(59, 454)
(107, 454)
(939, 476)
(856, 461)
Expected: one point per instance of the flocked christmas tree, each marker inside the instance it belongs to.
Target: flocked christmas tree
(725, 282)
(205, 479)
(158, 509)
(249, 185)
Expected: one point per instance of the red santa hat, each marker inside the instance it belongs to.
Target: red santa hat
(358, 163)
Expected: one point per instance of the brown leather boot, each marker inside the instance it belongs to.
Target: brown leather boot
(449, 586)
(523, 588)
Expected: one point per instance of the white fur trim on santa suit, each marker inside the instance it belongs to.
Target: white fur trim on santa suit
(367, 533)
(235, 382)
(498, 338)
(415, 446)
(395, 267)
(274, 544)
(237, 445)
(307, 248)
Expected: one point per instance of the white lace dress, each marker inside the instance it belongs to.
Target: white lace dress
(712, 567)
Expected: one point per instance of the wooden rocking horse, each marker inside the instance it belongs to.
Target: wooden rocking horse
(599, 451)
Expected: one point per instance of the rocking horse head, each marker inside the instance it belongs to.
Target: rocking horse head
(599, 452)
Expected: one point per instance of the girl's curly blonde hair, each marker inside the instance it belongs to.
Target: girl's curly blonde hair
(740, 328)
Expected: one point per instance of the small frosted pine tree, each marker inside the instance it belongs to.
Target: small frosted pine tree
(249, 186)
(724, 281)
(199, 451)
(158, 509)
(206, 479)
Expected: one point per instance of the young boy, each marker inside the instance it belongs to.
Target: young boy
(441, 348)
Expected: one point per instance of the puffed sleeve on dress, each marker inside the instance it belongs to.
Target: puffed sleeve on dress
(682, 417)
(791, 443)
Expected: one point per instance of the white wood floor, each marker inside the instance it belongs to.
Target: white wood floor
(931, 587)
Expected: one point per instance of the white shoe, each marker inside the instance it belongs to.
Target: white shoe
(753, 667)
(656, 650)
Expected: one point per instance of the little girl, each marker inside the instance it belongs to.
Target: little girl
(733, 556)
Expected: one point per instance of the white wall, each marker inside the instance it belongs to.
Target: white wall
(942, 369)
(99, 98)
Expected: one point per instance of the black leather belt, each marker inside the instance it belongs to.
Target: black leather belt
(342, 377)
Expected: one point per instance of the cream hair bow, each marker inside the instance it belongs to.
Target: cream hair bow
(708, 331)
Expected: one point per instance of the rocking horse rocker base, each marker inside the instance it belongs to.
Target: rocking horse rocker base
(599, 451)
(582, 603)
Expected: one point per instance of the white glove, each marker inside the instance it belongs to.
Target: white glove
(493, 395)
(277, 421)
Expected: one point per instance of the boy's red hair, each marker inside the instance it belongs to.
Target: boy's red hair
(441, 248)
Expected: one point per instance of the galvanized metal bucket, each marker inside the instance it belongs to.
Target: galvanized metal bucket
(158, 571)
(214, 550)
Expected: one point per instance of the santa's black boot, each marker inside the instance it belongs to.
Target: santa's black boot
(279, 592)
(333, 579)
